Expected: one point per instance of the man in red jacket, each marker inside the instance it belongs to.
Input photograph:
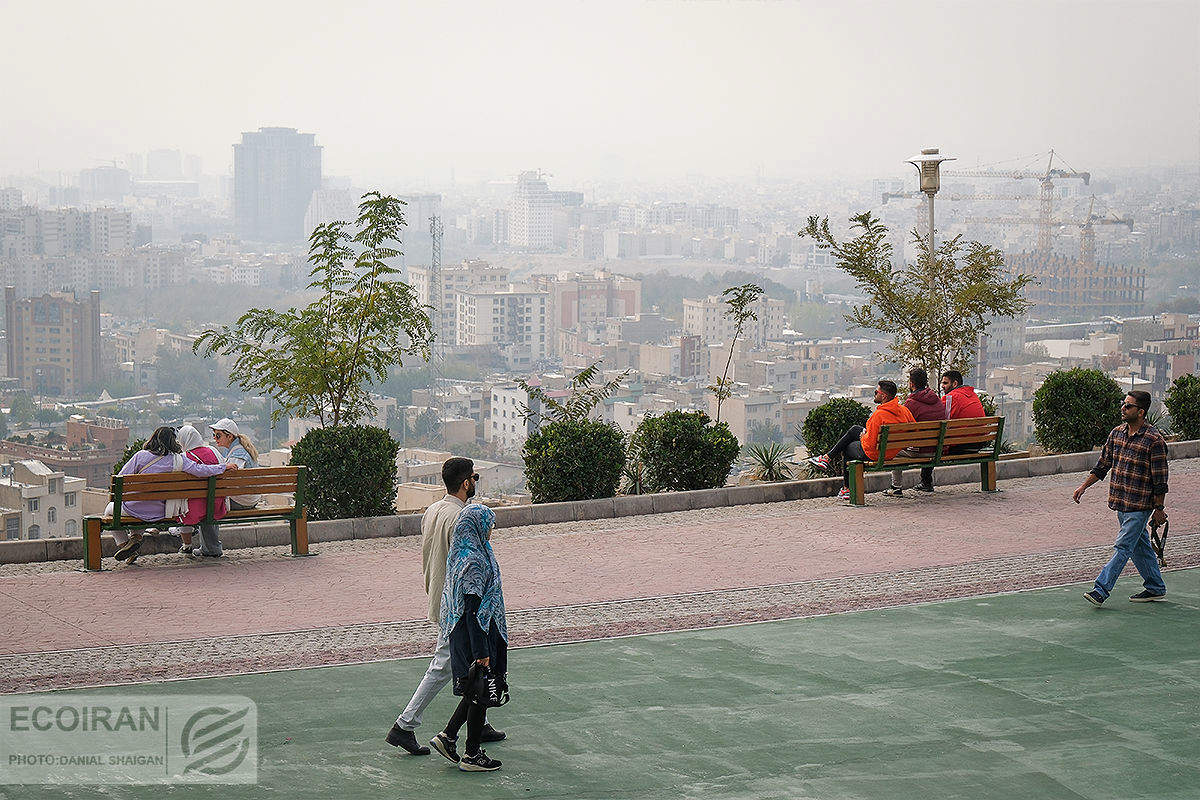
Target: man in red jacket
(925, 406)
(961, 401)
(862, 444)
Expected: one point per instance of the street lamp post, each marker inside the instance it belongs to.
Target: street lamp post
(928, 166)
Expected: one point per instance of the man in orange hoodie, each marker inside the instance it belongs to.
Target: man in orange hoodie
(862, 444)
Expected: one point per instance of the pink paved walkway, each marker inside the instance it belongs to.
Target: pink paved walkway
(380, 580)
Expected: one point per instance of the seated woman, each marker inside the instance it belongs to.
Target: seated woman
(472, 618)
(238, 450)
(196, 450)
(161, 454)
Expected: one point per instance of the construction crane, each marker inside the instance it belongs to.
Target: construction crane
(437, 355)
(1046, 194)
(1087, 234)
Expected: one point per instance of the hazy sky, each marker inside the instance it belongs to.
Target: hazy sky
(587, 89)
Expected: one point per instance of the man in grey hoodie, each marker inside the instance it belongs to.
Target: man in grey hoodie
(925, 406)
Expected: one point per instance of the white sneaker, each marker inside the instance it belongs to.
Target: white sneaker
(844, 494)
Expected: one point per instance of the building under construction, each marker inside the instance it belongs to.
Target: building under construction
(1069, 287)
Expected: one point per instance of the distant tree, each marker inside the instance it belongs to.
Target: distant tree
(134, 447)
(22, 408)
(936, 308)
(321, 361)
(578, 405)
(739, 307)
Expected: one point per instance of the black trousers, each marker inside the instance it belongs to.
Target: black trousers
(471, 714)
(849, 448)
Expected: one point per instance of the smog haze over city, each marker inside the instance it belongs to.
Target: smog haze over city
(591, 90)
(583, 184)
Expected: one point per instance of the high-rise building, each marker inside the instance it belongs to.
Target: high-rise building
(513, 320)
(455, 278)
(53, 342)
(275, 172)
(530, 223)
(706, 318)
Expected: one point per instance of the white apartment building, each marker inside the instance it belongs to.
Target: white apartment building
(530, 217)
(455, 278)
(50, 503)
(505, 426)
(706, 318)
(513, 320)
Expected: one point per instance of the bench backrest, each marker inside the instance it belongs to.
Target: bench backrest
(941, 434)
(180, 485)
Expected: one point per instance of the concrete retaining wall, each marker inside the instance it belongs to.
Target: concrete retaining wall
(268, 534)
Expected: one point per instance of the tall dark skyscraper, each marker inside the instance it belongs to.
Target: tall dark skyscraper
(275, 172)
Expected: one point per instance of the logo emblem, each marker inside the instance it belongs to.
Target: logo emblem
(214, 740)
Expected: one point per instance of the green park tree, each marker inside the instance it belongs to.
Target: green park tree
(739, 307)
(934, 309)
(320, 361)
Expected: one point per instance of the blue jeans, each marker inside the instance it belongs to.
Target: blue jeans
(1134, 542)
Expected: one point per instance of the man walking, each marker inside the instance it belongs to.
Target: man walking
(862, 444)
(437, 528)
(1137, 455)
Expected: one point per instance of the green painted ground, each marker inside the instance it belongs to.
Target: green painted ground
(1025, 696)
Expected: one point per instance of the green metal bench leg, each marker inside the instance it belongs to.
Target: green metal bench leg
(858, 483)
(987, 476)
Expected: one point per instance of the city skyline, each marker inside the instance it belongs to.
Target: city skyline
(414, 93)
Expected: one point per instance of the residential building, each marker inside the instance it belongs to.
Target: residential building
(706, 318)
(512, 320)
(275, 172)
(530, 224)
(1162, 361)
(53, 342)
(587, 302)
(506, 427)
(748, 411)
(455, 279)
(49, 501)
(684, 357)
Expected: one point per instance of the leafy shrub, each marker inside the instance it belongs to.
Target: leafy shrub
(1183, 401)
(1075, 409)
(351, 471)
(827, 423)
(680, 450)
(573, 460)
(134, 446)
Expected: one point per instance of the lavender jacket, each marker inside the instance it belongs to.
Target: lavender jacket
(146, 463)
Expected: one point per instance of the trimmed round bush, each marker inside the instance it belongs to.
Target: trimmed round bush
(680, 450)
(573, 460)
(829, 421)
(134, 447)
(1075, 409)
(1183, 401)
(351, 471)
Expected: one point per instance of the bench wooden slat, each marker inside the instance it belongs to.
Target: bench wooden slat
(138, 497)
(900, 461)
(167, 477)
(200, 489)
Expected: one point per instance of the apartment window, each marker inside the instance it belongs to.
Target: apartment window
(33, 505)
(52, 515)
(35, 532)
(52, 485)
(69, 499)
(12, 528)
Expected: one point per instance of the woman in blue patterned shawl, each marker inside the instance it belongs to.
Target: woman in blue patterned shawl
(472, 617)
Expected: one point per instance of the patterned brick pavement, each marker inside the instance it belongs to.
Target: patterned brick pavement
(259, 610)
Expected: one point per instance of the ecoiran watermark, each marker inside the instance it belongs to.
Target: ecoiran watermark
(128, 739)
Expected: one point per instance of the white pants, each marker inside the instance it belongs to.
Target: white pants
(435, 679)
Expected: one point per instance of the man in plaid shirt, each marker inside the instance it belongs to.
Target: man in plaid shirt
(1137, 455)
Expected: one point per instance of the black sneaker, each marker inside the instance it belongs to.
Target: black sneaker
(478, 763)
(1094, 598)
(893, 491)
(920, 487)
(1146, 597)
(130, 549)
(446, 746)
(398, 737)
(490, 734)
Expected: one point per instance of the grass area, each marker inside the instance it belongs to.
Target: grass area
(1032, 695)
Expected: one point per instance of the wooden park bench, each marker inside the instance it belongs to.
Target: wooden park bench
(180, 485)
(945, 439)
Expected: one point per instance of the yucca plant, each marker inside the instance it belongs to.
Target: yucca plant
(634, 475)
(768, 462)
(1161, 419)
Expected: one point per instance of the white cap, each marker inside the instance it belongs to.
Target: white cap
(226, 424)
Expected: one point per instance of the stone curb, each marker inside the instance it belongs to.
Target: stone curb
(271, 534)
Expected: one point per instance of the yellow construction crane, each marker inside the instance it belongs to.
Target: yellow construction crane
(1046, 195)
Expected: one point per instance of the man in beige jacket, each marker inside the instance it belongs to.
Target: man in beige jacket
(437, 528)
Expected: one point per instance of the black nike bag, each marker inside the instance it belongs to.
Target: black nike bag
(484, 688)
